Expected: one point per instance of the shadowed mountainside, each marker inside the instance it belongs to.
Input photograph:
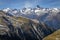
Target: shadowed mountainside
(53, 36)
(20, 28)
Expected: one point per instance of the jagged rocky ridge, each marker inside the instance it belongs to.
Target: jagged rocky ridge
(20, 28)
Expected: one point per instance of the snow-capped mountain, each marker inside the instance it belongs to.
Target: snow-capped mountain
(7, 10)
(28, 11)
(48, 15)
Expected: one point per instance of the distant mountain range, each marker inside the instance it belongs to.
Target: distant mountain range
(51, 16)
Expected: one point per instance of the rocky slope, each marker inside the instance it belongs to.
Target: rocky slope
(20, 28)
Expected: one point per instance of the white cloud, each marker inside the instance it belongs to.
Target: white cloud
(31, 4)
(28, 4)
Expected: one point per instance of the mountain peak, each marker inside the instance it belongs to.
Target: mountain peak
(6, 10)
(38, 6)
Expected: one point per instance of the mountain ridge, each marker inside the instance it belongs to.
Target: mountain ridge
(19, 28)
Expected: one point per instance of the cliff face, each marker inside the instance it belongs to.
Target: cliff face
(19, 28)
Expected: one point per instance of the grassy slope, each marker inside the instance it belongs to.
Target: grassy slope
(13, 19)
(53, 36)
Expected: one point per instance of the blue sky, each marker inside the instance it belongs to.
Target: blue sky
(29, 3)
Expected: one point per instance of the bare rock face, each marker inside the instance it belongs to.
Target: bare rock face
(19, 28)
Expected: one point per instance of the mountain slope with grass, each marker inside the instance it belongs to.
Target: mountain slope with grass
(53, 36)
(20, 28)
